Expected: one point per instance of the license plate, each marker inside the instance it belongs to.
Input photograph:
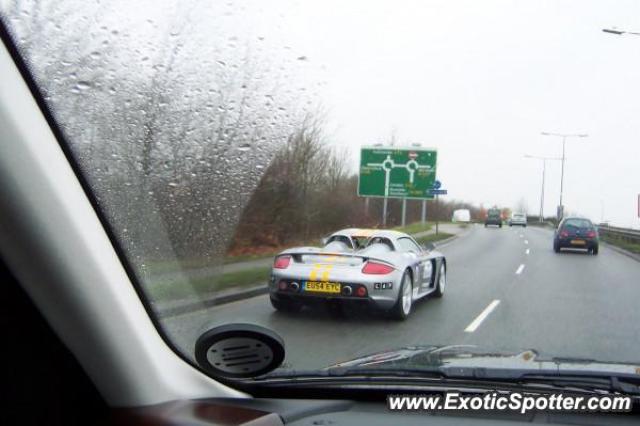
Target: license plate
(578, 242)
(321, 287)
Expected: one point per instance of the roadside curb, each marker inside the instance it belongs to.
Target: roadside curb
(213, 301)
(463, 234)
(627, 253)
(445, 241)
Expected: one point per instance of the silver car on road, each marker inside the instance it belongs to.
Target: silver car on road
(385, 268)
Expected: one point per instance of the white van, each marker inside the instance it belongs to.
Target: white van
(461, 215)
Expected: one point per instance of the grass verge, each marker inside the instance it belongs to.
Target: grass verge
(414, 228)
(432, 238)
(159, 267)
(174, 289)
(247, 257)
(623, 244)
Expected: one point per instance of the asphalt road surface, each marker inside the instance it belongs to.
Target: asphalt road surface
(507, 290)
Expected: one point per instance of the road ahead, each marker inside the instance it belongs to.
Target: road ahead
(507, 290)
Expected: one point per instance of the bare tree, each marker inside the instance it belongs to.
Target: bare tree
(336, 168)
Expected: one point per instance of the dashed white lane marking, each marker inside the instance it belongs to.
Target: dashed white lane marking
(521, 236)
(520, 269)
(527, 251)
(483, 315)
(526, 241)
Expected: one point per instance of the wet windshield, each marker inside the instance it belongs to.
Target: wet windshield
(217, 135)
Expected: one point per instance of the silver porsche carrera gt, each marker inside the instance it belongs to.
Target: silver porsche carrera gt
(385, 268)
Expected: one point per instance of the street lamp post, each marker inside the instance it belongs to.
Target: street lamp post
(544, 167)
(564, 137)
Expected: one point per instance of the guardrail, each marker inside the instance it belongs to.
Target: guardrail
(631, 235)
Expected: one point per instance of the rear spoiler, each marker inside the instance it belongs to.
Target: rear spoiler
(297, 255)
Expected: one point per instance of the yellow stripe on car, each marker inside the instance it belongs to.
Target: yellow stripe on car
(322, 268)
(313, 275)
(325, 273)
(363, 233)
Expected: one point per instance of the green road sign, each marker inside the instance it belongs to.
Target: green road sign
(397, 172)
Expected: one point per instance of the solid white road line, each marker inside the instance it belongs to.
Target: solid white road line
(476, 322)
(527, 251)
(520, 269)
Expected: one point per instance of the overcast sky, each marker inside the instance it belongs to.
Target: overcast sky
(479, 81)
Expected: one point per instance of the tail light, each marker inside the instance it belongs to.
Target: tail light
(591, 234)
(282, 262)
(374, 268)
(564, 234)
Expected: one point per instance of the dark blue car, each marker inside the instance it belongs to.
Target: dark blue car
(576, 233)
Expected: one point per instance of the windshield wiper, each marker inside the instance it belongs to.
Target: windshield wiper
(473, 376)
(349, 372)
(587, 380)
(607, 383)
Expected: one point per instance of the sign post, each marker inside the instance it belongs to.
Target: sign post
(391, 172)
(437, 191)
(437, 214)
(404, 211)
(384, 212)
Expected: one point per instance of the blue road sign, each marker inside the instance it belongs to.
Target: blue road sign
(437, 191)
(436, 185)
